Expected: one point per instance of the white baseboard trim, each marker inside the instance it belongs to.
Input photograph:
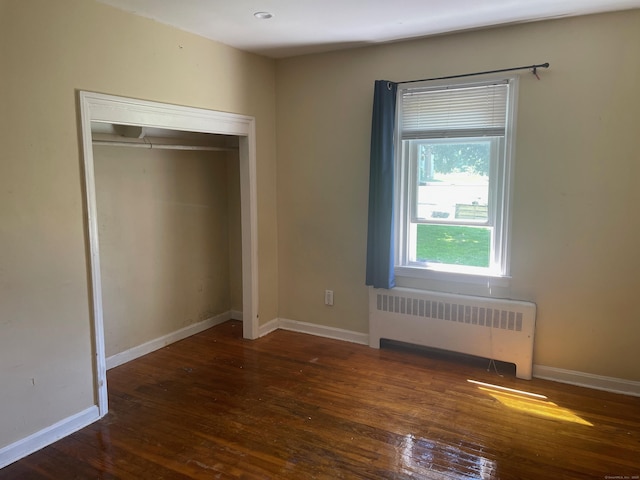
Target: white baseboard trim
(267, 328)
(155, 344)
(314, 329)
(236, 315)
(28, 445)
(581, 379)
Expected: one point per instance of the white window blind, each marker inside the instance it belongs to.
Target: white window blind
(468, 111)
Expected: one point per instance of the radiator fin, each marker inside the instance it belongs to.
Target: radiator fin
(454, 312)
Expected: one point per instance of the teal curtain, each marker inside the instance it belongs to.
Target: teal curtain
(380, 243)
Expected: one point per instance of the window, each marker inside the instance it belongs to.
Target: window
(453, 172)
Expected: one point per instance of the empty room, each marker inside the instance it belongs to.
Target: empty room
(319, 239)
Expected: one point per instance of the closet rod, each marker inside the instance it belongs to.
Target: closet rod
(164, 146)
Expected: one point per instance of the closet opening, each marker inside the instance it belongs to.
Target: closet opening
(171, 224)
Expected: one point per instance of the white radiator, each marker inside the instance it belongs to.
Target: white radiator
(486, 327)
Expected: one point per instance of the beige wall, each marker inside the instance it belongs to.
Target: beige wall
(575, 225)
(49, 50)
(163, 223)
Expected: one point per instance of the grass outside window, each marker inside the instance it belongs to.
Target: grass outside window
(454, 245)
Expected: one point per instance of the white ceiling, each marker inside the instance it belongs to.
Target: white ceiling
(308, 26)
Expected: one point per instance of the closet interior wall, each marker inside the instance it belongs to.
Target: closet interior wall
(170, 239)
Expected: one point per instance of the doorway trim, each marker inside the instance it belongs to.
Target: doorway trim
(101, 108)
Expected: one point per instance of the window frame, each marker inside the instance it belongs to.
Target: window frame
(500, 193)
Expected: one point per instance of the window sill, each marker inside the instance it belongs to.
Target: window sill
(476, 278)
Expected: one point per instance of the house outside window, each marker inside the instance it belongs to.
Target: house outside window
(454, 170)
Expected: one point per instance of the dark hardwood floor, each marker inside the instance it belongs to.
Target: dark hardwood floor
(294, 406)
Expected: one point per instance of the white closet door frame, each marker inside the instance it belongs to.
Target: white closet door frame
(95, 107)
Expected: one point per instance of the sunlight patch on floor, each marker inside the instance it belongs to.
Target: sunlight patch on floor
(530, 403)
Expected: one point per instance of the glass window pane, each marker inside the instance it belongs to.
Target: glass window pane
(452, 180)
(453, 244)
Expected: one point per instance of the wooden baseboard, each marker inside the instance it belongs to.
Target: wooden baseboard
(28, 445)
(267, 328)
(314, 329)
(598, 382)
(157, 343)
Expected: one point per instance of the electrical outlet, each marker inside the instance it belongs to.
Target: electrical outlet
(328, 297)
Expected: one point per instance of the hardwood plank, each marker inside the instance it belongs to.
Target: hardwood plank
(293, 406)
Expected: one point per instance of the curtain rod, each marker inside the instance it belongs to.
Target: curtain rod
(534, 69)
